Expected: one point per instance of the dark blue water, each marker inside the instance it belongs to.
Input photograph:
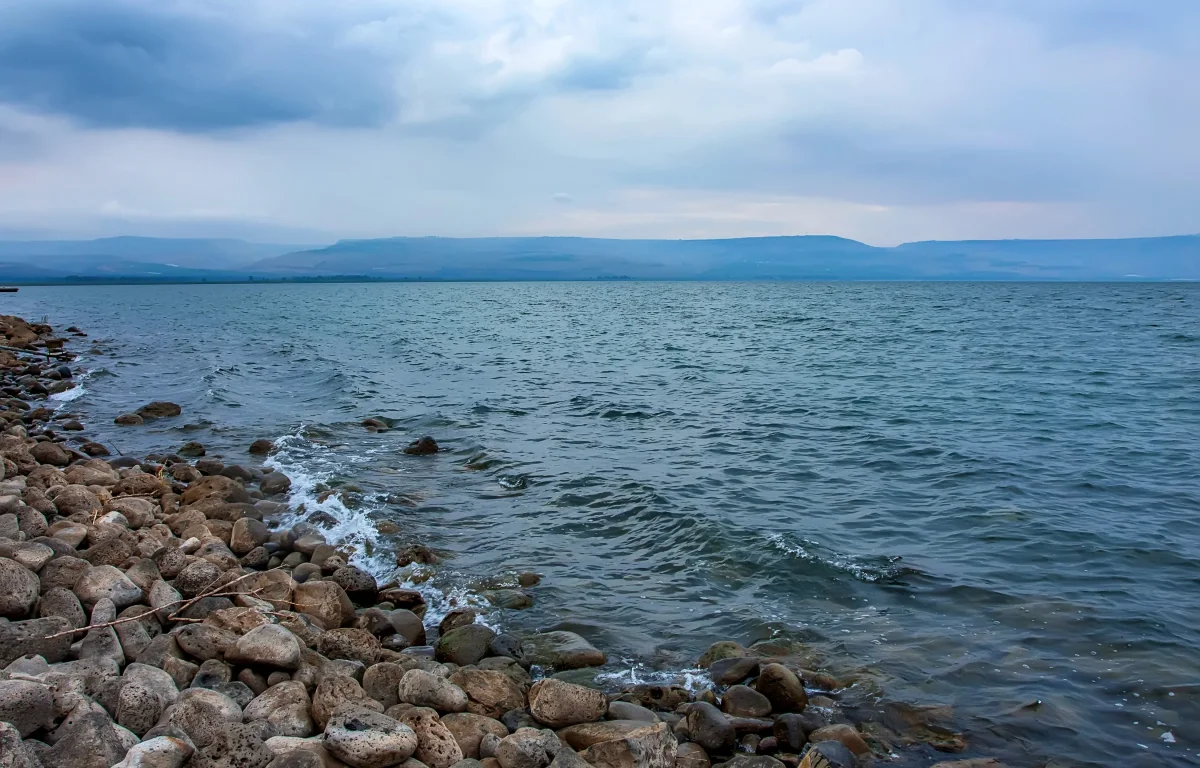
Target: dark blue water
(977, 495)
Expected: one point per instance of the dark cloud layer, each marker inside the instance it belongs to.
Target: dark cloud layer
(158, 64)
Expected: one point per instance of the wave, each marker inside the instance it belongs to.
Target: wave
(75, 392)
(889, 570)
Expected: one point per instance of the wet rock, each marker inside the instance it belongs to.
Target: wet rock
(743, 701)
(979, 762)
(382, 681)
(489, 693)
(649, 746)
(261, 447)
(159, 409)
(28, 706)
(285, 706)
(469, 731)
(335, 692)
(35, 637)
(691, 755)
(508, 646)
(424, 446)
(828, 754)
(425, 689)
(733, 670)
(275, 483)
(129, 420)
(94, 449)
(752, 761)
(267, 645)
(562, 650)
(436, 746)
(19, 589)
(790, 732)
(359, 585)
(707, 726)
(726, 649)
(465, 645)
(624, 710)
(559, 704)
(846, 734)
(247, 534)
(459, 617)
(782, 688)
(192, 449)
(324, 601)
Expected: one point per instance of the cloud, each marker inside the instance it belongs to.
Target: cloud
(379, 117)
(562, 197)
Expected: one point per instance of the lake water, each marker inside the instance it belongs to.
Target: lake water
(984, 496)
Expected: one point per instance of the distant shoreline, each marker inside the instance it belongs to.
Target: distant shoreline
(99, 281)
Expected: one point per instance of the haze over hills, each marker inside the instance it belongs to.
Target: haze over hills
(812, 257)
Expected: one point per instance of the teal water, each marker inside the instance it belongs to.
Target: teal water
(985, 496)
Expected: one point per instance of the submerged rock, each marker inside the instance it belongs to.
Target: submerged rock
(422, 447)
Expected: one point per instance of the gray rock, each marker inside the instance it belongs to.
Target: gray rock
(63, 603)
(691, 755)
(381, 682)
(237, 746)
(159, 752)
(752, 761)
(138, 708)
(153, 679)
(204, 715)
(89, 741)
(196, 578)
(27, 705)
(743, 701)
(63, 572)
(559, 704)
(105, 581)
(369, 740)
(650, 746)
(425, 689)
(790, 733)
(464, 645)
(134, 636)
(562, 650)
(285, 706)
(204, 642)
(528, 748)
(101, 642)
(32, 555)
(709, 727)
(19, 588)
(268, 645)
(624, 710)
(13, 753)
(335, 692)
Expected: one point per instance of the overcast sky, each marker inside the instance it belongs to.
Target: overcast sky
(881, 120)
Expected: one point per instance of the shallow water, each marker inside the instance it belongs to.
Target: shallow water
(982, 495)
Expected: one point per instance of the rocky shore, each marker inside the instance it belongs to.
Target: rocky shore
(157, 612)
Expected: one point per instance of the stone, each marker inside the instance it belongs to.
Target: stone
(511, 599)
(50, 453)
(261, 447)
(359, 585)
(978, 762)
(275, 483)
(691, 755)
(624, 710)
(425, 689)
(580, 737)
(424, 446)
(707, 726)
(19, 589)
(27, 705)
(87, 741)
(408, 624)
(436, 746)
(285, 706)
(31, 522)
(236, 746)
(62, 602)
(217, 487)
(13, 753)
(369, 740)
(558, 704)
(470, 729)
(828, 754)
(726, 649)
(247, 534)
(782, 688)
(489, 744)
(528, 748)
(752, 761)
(743, 701)
(489, 693)
(204, 642)
(650, 746)
(846, 734)
(138, 708)
(267, 645)
(196, 578)
(49, 638)
(562, 650)
(106, 582)
(790, 733)
(129, 420)
(139, 512)
(509, 646)
(159, 752)
(733, 670)
(108, 552)
(465, 645)
(382, 681)
(324, 601)
(76, 500)
(460, 617)
(159, 409)
(70, 532)
(338, 691)
(353, 644)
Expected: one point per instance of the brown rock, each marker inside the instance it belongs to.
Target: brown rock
(324, 601)
(847, 735)
(558, 704)
(469, 729)
(436, 746)
(489, 693)
(782, 688)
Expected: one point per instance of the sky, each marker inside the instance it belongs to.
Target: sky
(881, 120)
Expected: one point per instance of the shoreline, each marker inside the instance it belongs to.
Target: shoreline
(217, 580)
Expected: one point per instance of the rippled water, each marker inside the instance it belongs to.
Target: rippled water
(979, 495)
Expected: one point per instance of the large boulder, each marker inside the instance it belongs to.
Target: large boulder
(558, 704)
(425, 689)
(651, 746)
(562, 650)
(436, 746)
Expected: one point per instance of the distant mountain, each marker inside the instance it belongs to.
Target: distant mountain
(577, 258)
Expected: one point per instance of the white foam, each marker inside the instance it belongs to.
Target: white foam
(811, 551)
(75, 392)
(632, 672)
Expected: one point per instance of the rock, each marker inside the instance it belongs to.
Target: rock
(624, 710)
(562, 650)
(782, 688)
(508, 646)
(369, 740)
(789, 731)
(559, 704)
(275, 483)
(408, 624)
(708, 727)
(382, 681)
(650, 746)
(691, 755)
(28, 706)
(261, 447)
(733, 670)
(978, 762)
(247, 534)
(129, 420)
(31, 522)
(159, 752)
(336, 692)
(469, 731)
(35, 637)
(88, 741)
(204, 642)
(285, 706)
(106, 582)
(465, 645)
(76, 500)
(424, 446)
(237, 746)
(93, 472)
(108, 552)
(359, 585)
(196, 578)
(436, 746)
(460, 617)
(324, 601)
(138, 708)
(69, 532)
(353, 644)
(267, 645)
(743, 701)
(62, 602)
(425, 689)
(726, 649)
(846, 734)
(216, 487)
(50, 453)
(489, 744)
(139, 512)
(580, 737)
(489, 693)
(13, 753)
(752, 761)
(101, 642)
(159, 409)
(19, 589)
(828, 754)
(94, 449)
(528, 748)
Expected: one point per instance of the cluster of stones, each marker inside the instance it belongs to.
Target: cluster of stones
(150, 617)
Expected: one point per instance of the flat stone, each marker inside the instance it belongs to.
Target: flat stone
(268, 645)
(369, 740)
(562, 650)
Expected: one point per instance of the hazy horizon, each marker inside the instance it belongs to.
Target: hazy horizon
(883, 121)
